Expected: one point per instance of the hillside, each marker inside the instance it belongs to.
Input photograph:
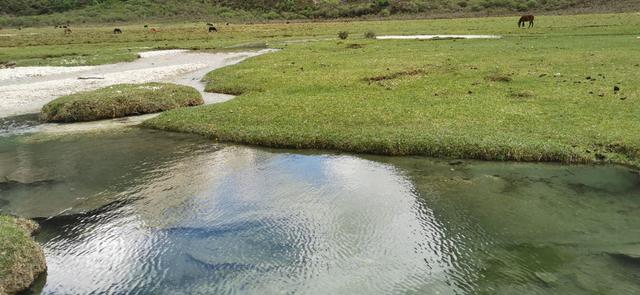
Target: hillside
(48, 12)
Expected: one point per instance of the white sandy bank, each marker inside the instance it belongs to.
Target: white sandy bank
(25, 90)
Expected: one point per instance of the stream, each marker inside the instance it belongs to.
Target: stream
(140, 211)
(125, 210)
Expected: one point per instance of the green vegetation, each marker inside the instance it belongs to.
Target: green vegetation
(120, 100)
(21, 258)
(53, 12)
(546, 94)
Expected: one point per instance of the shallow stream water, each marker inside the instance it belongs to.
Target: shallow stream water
(146, 212)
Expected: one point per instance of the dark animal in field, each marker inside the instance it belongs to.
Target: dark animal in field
(524, 19)
(117, 31)
(67, 31)
(154, 30)
(209, 24)
(146, 26)
(212, 29)
(65, 27)
(227, 24)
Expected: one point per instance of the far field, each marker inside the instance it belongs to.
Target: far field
(541, 94)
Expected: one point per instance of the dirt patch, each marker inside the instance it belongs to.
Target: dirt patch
(396, 75)
(436, 37)
(522, 94)
(355, 46)
(498, 78)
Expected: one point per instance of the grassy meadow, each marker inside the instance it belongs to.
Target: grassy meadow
(544, 94)
(540, 94)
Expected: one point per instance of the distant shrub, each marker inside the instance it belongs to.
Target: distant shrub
(343, 35)
(370, 35)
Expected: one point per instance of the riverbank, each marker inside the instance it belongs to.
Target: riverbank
(27, 89)
(22, 259)
(555, 96)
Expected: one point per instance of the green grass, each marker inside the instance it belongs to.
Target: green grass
(525, 97)
(120, 100)
(21, 259)
(38, 12)
(93, 45)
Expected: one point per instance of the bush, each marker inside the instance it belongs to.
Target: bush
(343, 35)
(119, 101)
(370, 35)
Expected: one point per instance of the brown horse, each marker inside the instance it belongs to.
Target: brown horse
(524, 19)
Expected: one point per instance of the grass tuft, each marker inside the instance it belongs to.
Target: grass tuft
(119, 101)
(21, 258)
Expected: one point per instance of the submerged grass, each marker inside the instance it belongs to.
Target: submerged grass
(21, 258)
(119, 101)
(523, 97)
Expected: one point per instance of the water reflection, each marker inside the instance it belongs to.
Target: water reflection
(155, 212)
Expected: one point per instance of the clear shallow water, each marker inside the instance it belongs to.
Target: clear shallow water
(152, 212)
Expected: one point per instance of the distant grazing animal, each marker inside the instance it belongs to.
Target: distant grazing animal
(117, 31)
(154, 30)
(227, 24)
(67, 31)
(210, 24)
(65, 27)
(146, 26)
(524, 19)
(212, 29)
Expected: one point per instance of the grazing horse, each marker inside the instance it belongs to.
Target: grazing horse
(524, 19)
(117, 31)
(67, 31)
(212, 29)
(210, 24)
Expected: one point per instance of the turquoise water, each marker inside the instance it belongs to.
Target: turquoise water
(147, 212)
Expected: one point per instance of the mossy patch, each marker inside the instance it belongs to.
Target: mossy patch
(120, 101)
(21, 258)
